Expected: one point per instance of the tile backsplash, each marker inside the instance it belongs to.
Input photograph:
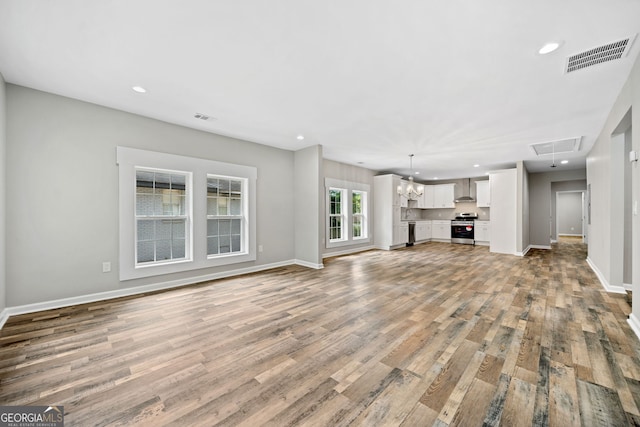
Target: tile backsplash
(416, 214)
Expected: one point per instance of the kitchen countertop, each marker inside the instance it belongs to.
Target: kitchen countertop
(439, 219)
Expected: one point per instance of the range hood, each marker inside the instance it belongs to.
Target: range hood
(468, 197)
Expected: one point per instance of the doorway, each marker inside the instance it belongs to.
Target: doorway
(621, 206)
(571, 214)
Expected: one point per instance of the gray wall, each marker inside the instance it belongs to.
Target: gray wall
(307, 195)
(628, 210)
(64, 218)
(569, 213)
(344, 172)
(3, 181)
(522, 224)
(606, 180)
(541, 218)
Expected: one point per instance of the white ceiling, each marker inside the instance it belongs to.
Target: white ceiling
(455, 83)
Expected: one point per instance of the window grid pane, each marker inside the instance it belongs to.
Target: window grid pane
(357, 226)
(161, 221)
(224, 215)
(336, 218)
(356, 203)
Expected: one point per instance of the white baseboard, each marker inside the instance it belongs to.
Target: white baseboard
(547, 247)
(124, 292)
(308, 264)
(627, 286)
(569, 235)
(553, 241)
(605, 284)
(528, 248)
(4, 316)
(481, 243)
(347, 251)
(635, 324)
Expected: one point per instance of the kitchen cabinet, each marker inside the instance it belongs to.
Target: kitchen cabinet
(443, 196)
(404, 202)
(482, 232)
(441, 230)
(389, 230)
(400, 233)
(504, 211)
(439, 196)
(428, 197)
(483, 194)
(423, 231)
(420, 203)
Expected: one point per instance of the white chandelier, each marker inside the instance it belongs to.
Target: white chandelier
(412, 190)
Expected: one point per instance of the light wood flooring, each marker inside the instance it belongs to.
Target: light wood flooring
(437, 334)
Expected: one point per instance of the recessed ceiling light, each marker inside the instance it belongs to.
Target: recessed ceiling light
(417, 173)
(548, 48)
(300, 137)
(139, 89)
(564, 162)
(476, 166)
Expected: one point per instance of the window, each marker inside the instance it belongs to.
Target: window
(358, 214)
(336, 215)
(162, 217)
(179, 213)
(347, 213)
(225, 219)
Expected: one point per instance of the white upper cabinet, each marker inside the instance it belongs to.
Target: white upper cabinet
(404, 202)
(483, 194)
(396, 184)
(444, 196)
(428, 201)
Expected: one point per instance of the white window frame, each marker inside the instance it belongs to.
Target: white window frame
(186, 216)
(242, 216)
(349, 188)
(364, 229)
(343, 215)
(128, 159)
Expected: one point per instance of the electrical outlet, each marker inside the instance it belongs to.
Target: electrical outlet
(106, 267)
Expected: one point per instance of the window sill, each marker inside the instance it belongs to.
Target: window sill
(352, 242)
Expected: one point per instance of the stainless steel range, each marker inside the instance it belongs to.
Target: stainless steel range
(462, 228)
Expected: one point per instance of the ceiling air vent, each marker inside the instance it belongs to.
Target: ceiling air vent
(600, 54)
(568, 145)
(203, 117)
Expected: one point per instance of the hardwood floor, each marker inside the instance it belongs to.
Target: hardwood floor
(437, 334)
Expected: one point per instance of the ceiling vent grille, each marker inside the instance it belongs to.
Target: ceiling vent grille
(600, 54)
(203, 117)
(568, 145)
